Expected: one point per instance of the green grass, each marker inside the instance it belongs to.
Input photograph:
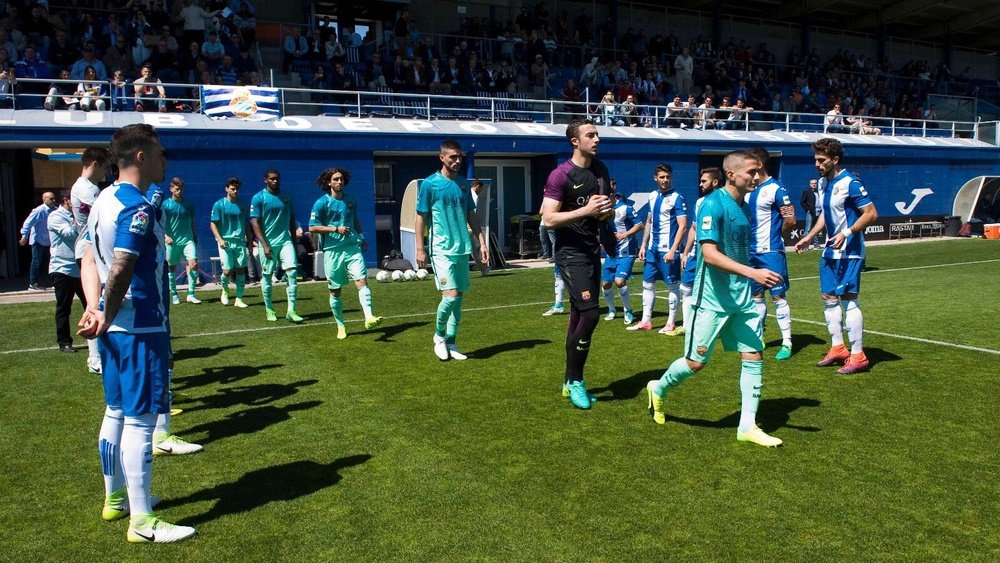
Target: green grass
(372, 449)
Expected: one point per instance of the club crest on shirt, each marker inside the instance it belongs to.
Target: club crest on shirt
(585, 295)
(140, 221)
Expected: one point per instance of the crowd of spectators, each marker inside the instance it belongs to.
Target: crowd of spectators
(128, 55)
(114, 59)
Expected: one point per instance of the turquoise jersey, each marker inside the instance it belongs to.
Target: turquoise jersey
(230, 219)
(178, 220)
(329, 211)
(275, 215)
(724, 222)
(448, 203)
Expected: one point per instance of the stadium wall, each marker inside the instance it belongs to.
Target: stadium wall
(908, 177)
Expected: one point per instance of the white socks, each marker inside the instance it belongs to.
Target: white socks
(784, 314)
(834, 321)
(137, 460)
(760, 306)
(560, 288)
(855, 325)
(626, 296)
(648, 298)
(109, 448)
(609, 298)
(673, 300)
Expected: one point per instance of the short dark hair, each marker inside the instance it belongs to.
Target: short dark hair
(177, 181)
(713, 172)
(761, 154)
(663, 167)
(573, 129)
(233, 181)
(323, 180)
(95, 154)
(270, 171)
(131, 139)
(832, 148)
(450, 145)
(736, 156)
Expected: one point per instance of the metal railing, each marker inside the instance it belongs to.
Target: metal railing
(503, 107)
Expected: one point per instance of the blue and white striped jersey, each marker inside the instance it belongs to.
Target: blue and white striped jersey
(842, 200)
(123, 220)
(624, 220)
(765, 204)
(664, 209)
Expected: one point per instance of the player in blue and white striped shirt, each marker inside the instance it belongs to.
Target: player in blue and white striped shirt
(617, 269)
(666, 226)
(771, 214)
(847, 211)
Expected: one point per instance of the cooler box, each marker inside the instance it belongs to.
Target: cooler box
(992, 231)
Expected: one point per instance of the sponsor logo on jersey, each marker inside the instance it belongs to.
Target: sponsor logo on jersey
(706, 223)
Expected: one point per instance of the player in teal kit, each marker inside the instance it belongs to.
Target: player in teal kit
(335, 218)
(273, 221)
(444, 205)
(723, 307)
(178, 226)
(229, 227)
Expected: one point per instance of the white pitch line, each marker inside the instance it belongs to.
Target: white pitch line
(539, 303)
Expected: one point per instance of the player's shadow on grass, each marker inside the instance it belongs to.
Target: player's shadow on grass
(799, 343)
(248, 421)
(878, 355)
(490, 351)
(191, 353)
(771, 415)
(284, 482)
(625, 389)
(387, 332)
(249, 395)
(220, 375)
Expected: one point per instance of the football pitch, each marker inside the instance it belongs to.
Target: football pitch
(371, 449)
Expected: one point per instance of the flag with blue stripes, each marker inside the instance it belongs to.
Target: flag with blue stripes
(249, 103)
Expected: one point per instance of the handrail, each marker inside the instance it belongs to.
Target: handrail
(500, 108)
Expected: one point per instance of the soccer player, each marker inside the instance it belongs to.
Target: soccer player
(847, 210)
(710, 179)
(444, 204)
(618, 268)
(334, 217)
(662, 241)
(772, 214)
(723, 308)
(96, 163)
(273, 221)
(229, 227)
(178, 224)
(126, 257)
(576, 204)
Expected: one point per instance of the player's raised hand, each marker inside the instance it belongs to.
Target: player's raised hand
(766, 277)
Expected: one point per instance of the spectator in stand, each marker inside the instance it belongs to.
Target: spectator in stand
(117, 55)
(630, 111)
(608, 109)
(429, 50)
(452, 75)
(243, 62)
(7, 45)
(352, 38)
(437, 81)
(539, 76)
(138, 30)
(61, 54)
(91, 91)
(246, 23)
(295, 49)
(213, 50)
(835, 121)
(164, 62)
(316, 47)
(335, 50)
(37, 28)
(571, 94)
(149, 92)
(16, 37)
(35, 232)
(677, 114)
(706, 115)
(395, 74)
(416, 77)
(188, 61)
(684, 68)
(195, 19)
(62, 94)
(340, 80)
(8, 82)
(33, 67)
(167, 34)
(227, 73)
(88, 60)
(121, 95)
(738, 115)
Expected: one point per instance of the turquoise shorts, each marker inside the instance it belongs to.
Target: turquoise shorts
(187, 249)
(737, 331)
(451, 272)
(282, 258)
(342, 266)
(234, 255)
